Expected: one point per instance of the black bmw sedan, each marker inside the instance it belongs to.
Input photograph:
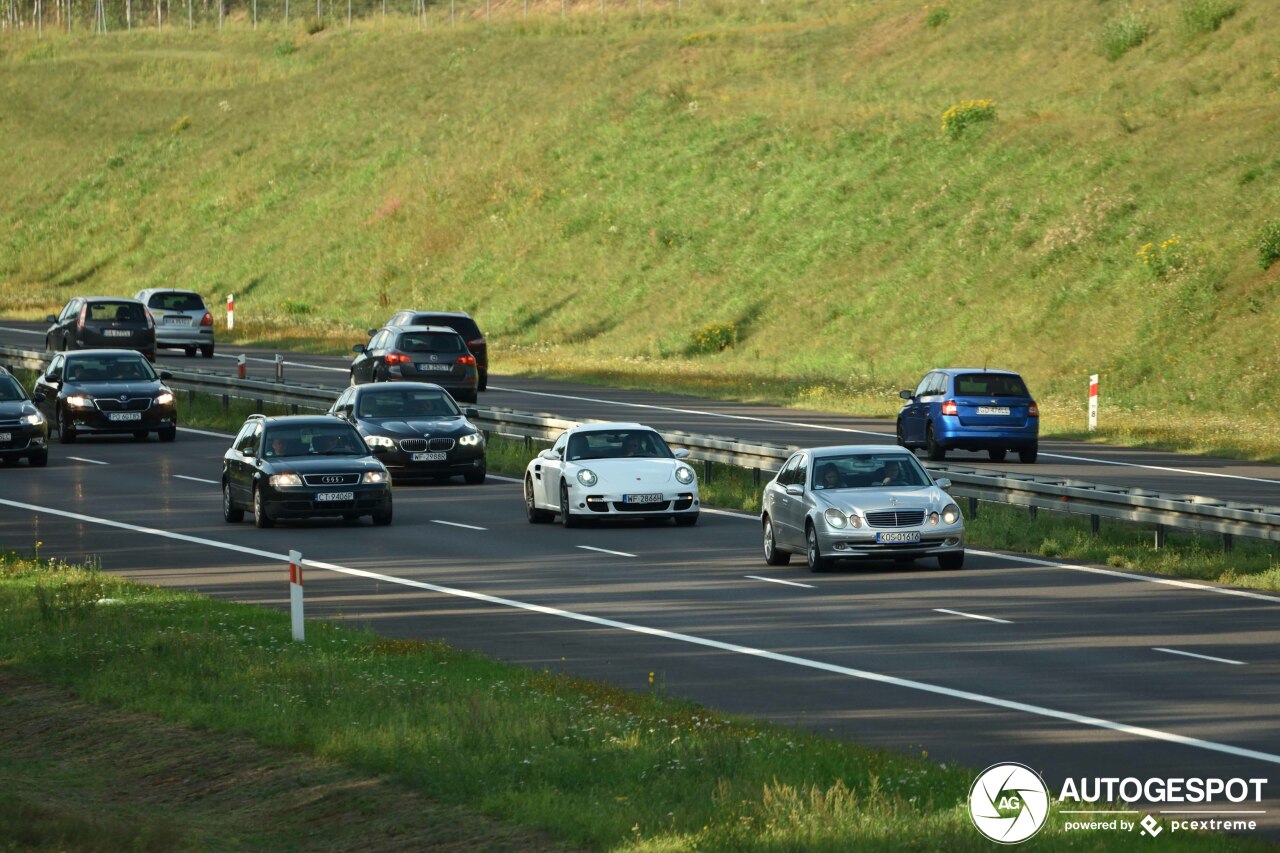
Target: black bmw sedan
(302, 466)
(106, 391)
(418, 426)
(23, 430)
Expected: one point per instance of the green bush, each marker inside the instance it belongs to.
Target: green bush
(1162, 260)
(936, 16)
(1200, 17)
(963, 115)
(715, 337)
(1121, 35)
(1269, 245)
(285, 48)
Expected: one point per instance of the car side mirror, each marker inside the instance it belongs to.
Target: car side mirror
(681, 453)
(371, 332)
(549, 455)
(906, 395)
(38, 397)
(942, 483)
(794, 490)
(51, 319)
(165, 376)
(471, 412)
(358, 348)
(52, 380)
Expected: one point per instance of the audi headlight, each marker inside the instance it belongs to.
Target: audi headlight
(473, 439)
(684, 475)
(933, 519)
(33, 419)
(951, 514)
(374, 477)
(165, 398)
(379, 441)
(78, 402)
(284, 481)
(587, 477)
(835, 518)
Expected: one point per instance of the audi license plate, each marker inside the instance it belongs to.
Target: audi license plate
(894, 538)
(6, 437)
(428, 457)
(118, 333)
(440, 368)
(325, 497)
(993, 410)
(124, 416)
(642, 499)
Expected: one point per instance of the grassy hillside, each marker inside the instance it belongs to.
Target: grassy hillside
(753, 199)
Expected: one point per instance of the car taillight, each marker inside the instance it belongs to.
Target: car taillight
(151, 321)
(468, 360)
(478, 342)
(949, 408)
(397, 358)
(1033, 411)
(208, 319)
(83, 311)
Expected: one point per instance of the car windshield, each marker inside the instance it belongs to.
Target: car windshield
(122, 368)
(312, 440)
(867, 471)
(115, 312)
(401, 404)
(176, 302)
(617, 444)
(10, 390)
(435, 342)
(990, 385)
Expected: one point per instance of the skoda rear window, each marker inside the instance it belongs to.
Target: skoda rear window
(115, 312)
(438, 342)
(176, 302)
(465, 326)
(990, 385)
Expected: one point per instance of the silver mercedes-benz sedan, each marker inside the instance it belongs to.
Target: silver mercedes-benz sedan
(866, 502)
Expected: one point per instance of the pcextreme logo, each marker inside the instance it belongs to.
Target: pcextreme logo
(1008, 803)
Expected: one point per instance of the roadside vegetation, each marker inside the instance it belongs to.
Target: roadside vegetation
(806, 203)
(354, 740)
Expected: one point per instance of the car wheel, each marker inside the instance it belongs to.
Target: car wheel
(260, 517)
(206, 352)
(474, 478)
(382, 517)
(39, 459)
(190, 352)
(951, 562)
(936, 451)
(351, 379)
(168, 433)
(66, 432)
(685, 519)
(901, 434)
(773, 555)
(566, 517)
(997, 454)
(813, 553)
(484, 382)
(140, 434)
(531, 511)
(231, 513)
(1027, 455)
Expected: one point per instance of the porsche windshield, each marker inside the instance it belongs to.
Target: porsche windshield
(618, 444)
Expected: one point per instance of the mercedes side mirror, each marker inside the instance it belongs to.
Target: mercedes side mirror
(681, 453)
(906, 395)
(794, 490)
(942, 483)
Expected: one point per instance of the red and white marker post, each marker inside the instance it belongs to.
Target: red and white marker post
(1093, 402)
(295, 595)
(231, 311)
(240, 366)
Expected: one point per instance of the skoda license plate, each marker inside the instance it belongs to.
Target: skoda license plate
(993, 410)
(325, 497)
(642, 499)
(124, 416)
(895, 538)
(428, 457)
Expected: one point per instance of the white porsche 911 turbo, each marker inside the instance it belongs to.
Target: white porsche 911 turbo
(611, 470)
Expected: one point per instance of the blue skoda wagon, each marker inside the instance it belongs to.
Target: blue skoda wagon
(970, 409)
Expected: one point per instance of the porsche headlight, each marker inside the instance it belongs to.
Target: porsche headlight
(374, 477)
(473, 439)
(684, 475)
(284, 481)
(33, 419)
(379, 441)
(587, 477)
(79, 402)
(951, 514)
(165, 398)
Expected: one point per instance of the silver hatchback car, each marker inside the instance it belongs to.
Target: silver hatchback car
(864, 502)
(182, 320)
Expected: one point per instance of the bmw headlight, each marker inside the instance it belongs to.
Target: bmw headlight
(951, 514)
(684, 475)
(79, 402)
(284, 481)
(379, 441)
(165, 398)
(374, 477)
(33, 419)
(473, 439)
(587, 477)
(835, 518)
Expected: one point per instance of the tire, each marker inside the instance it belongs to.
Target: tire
(936, 451)
(997, 454)
(382, 518)
(484, 382)
(531, 511)
(474, 478)
(190, 352)
(168, 434)
(206, 352)
(951, 562)
(351, 379)
(1028, 455)
(66, 432)
(901, 434)
(813, 553)
(260, 517)
(39, 458)
(566, 517)
(140, 434)
(773, 555)
(685, 519)
(231, 513)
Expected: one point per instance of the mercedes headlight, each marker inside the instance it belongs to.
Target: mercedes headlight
(374, 477)
(33, 419)
(835, 518)
(284, 481)
(951, 514)
(854, 521)
(379, 441)
(473, 439)
(933, 519)
(684, 475)
(587, 477)
(165, 398)
(79, 402)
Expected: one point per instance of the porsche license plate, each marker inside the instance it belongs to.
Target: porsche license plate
(124, 416)
(642, 499)
(428, 457)
(993, 410)
(327, 497)
(894, 538)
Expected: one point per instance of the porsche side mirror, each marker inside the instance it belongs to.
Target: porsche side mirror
(549, 455)
(680, 453)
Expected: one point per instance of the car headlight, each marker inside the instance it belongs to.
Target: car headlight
(284, 481)
(854, 521)
(379, 441)
(684, 475)
(472, 439)
(78, 402)
(933, 519)
(951, 514)
(165, 398)
(374, 477)
(587, 477)
(835, 518)
(34, 419)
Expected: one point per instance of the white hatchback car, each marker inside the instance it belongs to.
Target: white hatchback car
(611, 470)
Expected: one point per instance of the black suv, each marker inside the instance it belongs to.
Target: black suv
(435, 354)
(102, 321)
(461, 322)
(23, 430)
(106, 391)
(302, 466)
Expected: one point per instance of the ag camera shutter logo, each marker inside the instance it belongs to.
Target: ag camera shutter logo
(1008, 803)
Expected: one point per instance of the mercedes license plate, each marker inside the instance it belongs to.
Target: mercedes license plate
(993, 410)
(124, 416)
(642, 499)
(325, 497)
(892, 538)
(118, 333)
(428, 457)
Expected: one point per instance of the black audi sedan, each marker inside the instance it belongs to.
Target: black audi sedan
(90, 322)
(24, 432)
(418, 354)
(419, 427)
(107, 391)
(302, 466)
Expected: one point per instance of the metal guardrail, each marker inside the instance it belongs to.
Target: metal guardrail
(1183, 512)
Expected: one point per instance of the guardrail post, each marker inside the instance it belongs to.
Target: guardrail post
(293, 409)
(226, 402)
(1095, 526)
(1032, 511)
(706, 471)
(1159, 536)
(241, 367)
(259, 405)
(279, 367)
(295, 596)
(973, 507)
(1228, 542)
(755, 473)
(191, 395)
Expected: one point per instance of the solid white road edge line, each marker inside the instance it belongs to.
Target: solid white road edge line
(776, 580)
(90, 461)
(1201, 657)
(456, 524)
(20, 331)
(971, 615)
(207, 432)
(195, 479)
(776, 657)
(605, 551)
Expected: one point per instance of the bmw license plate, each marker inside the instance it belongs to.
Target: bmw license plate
(642, 499)
(428, 457)
(124, 416)
(118, 333)
(326, 497)
(993, 410)
(894, 538)
(439, 368)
